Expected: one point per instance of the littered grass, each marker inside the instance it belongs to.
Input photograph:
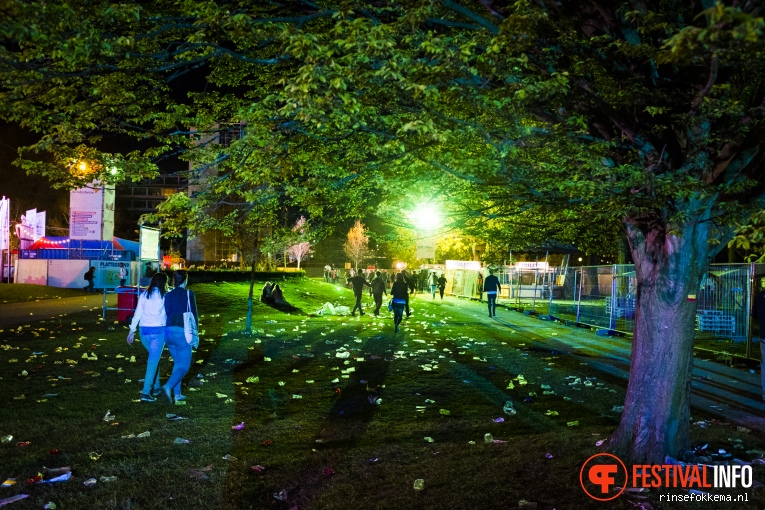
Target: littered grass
(328, 445)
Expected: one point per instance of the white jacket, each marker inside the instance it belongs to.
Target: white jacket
(150, 311)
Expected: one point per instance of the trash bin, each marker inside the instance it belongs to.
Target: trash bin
(127, 300)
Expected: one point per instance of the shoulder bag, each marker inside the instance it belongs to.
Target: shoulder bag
(190, 324)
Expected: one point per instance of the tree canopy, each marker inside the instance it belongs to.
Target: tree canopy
(569, 117)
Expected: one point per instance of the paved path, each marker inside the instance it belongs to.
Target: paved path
(728, 393)
(25, 312)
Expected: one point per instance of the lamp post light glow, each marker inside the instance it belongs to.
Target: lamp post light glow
(426, 217)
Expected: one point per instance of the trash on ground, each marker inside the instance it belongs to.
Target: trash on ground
(90, 482)
(180, 440)
(13, 499)
(108, 416)
(419, 484)
(200, 472)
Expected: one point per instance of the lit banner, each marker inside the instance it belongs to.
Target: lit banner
(40, 225)
(472, 265)
(86, 207)
(426, 248)
(5, 224)
(149, 243)
(532, 265)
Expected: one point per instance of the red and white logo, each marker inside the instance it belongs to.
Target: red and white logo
(603, 477)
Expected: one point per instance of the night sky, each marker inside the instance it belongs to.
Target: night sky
(24, 191)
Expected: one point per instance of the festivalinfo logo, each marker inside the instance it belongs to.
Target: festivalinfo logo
(605, 477)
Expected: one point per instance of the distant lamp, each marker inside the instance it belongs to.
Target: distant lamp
(580, 259)
(113, 170)
(400, 265)
(82, 166)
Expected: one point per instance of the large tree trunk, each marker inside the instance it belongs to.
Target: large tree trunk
(669, 263)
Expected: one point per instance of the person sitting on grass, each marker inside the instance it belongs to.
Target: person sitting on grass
(267, 295)
(278, 300)
(150, 314)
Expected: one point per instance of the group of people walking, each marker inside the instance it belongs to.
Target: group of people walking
(404, 285)
(159, 314)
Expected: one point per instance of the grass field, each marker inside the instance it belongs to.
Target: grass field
(322, 429)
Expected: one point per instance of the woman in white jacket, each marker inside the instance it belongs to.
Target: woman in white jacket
(150, 314)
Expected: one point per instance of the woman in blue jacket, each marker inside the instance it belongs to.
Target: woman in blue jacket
(177, 302)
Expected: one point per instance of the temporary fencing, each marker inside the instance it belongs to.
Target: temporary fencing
(606, 296)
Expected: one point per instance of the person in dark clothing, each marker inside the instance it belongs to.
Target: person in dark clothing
(412, 281)
(400, 294)
(491, 286)
(479, 287)
(377, 291)
(277, 297)
(177, 302)
(758, 311)
(357, 282)
(266, 296)
(441, 285)
(408, 284)
(90, 277)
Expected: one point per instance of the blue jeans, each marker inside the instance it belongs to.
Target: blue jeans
(398, 312)
(181, 353)
(153, 338)
(433, 291)
(491, 298)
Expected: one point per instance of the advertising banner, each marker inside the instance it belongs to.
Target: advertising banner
(40, 225)
(5, 224)
(86, 212)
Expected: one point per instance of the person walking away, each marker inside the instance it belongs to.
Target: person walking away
(123, 274)
(377, 291)
(491, 286)
(177, 302)
(407, 279)
(357, 283)
(90, 277)
(150, 315)
(479, 287)
(399, 293)
(441, 285)
(433, 283)
(758, 311)
(412, 281)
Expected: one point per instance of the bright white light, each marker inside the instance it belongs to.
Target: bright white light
(400, 265)
(426, 217)
(113, 170)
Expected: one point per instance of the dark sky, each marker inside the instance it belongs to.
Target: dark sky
(24, 191)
